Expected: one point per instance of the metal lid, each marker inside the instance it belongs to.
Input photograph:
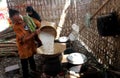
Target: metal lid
(63, 39)
(76, 58)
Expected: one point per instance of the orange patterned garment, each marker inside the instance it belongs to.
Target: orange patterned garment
(25, 48)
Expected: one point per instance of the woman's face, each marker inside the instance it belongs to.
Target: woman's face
(29, 13)
(17, 19)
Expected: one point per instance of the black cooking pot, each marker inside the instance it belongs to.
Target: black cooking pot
(52, 64)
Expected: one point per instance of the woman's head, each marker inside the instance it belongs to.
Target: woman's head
(32, 13)
(15, 16)
(13, 12)
(29, 10)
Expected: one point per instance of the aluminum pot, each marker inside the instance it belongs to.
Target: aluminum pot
(49, 27)
(75, 61)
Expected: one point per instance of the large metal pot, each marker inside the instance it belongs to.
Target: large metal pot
(58, 49)
(47, 36)
(48, 27)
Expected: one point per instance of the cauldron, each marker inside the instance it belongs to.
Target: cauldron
(52, 64)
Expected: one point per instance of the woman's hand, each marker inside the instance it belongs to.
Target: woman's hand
(37, 31)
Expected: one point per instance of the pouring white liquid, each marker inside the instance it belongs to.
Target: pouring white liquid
(48, 42)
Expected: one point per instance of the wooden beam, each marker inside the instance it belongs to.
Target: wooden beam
(98, 10)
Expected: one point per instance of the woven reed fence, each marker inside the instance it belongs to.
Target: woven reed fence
(105, 49)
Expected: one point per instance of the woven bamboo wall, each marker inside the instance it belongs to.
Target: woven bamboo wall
(105, 49)
(49, 10)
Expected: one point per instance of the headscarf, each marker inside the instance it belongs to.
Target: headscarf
(34, 13)
(12, 12)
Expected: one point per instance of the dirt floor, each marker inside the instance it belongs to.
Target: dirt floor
(88, 70)
(11, 61)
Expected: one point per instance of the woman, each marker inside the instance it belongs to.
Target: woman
(25, 42)
(35, 16)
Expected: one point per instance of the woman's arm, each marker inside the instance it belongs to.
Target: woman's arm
(28, 36)
(37, 23)
(31, 35)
